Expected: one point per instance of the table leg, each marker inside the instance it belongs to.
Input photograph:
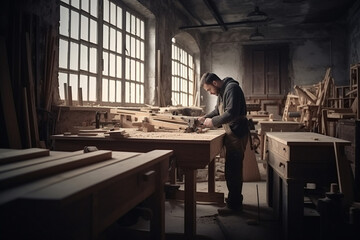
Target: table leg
(157, 200)
(292, 208)
(211, 176)
(190, 203)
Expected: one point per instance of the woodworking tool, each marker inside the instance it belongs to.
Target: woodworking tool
(194, 125)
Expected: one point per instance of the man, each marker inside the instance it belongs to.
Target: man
(229, 112)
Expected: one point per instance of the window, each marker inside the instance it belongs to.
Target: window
(182, 91)
(101, 52)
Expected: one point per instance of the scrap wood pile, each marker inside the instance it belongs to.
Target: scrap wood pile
(312, 104)
(150, 118)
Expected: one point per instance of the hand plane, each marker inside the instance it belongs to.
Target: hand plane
(194, 125)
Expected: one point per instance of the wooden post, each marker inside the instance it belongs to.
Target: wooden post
(66, 94)
(80, 96)
(70, 96)
(190, 203)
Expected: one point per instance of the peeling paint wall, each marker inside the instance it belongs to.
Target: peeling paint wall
(354, 35)
(312, 49)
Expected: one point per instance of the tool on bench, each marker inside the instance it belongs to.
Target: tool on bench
(194, 125)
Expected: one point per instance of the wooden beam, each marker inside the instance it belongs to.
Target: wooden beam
(215, 12)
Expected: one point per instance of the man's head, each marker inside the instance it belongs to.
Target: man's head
(211, 83)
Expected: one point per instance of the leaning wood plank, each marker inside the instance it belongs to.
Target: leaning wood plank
(344, 173)
(54, 155)
(307, 94)
(85, 183)
(31, 95)
(12, 155)
(163, 124)
(251, 171)
(30, 173)
(7, 100)
(16, 192)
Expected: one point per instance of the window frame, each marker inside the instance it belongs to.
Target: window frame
(178, 78)
(65, 73)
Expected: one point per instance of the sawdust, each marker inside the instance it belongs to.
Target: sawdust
(171, 134)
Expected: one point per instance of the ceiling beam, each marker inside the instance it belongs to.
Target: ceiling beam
(234, 24)
(215, 12)
(195, 17)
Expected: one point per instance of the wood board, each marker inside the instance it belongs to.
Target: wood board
(15, 155)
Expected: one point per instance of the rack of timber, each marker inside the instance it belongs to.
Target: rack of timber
(319, 106)
(149, 118)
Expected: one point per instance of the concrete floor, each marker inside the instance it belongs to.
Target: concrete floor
(250, 224)
(253, 223)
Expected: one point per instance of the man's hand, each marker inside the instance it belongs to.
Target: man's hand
(201, 119)
(208, 123)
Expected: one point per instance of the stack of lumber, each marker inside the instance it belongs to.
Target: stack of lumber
(312, 104)
(148, 119)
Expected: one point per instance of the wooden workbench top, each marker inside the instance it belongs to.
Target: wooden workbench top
(168, 135)
(305, 138)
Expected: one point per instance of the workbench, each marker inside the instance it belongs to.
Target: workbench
(276, 126)
(74, 195)
(295, 159)
(192, 151)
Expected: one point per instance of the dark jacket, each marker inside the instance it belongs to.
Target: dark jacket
(232, 97)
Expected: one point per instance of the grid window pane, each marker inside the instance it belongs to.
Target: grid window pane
(74, 56)
(93, 61)
(105, 86)
(74, 86)
(84, 86)
(182, 76)
(85, 5)
(83, 57)
(92, 89)
(74, 32)
(64, 21)
(84, 27)
(62, 81)
(94, 8)
(106, 10)
(63, 54)
(79, 51)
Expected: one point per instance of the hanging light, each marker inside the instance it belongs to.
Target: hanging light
(256, 35)
(257, 15)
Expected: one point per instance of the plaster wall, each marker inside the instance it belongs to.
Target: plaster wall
(354, 35)
(312, 49)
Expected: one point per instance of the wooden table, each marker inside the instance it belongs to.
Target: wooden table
(294, 159)
(276, 126)
(62, 195)
(192, 151)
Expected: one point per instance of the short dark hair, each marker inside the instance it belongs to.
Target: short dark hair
(208, 78)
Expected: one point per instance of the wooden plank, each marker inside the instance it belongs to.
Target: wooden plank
(54, 155)
(31, 89)
(80, 96)
(7, 100)
(27, 120)
(80, 184)
(70, 100)
(164, 124)
(344, 173)
(18, 176)
(206, 197)
(251, 171)
(65, 95)
(12, 155)
(14, 193)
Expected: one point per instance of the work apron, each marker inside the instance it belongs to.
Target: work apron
(234, 156)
